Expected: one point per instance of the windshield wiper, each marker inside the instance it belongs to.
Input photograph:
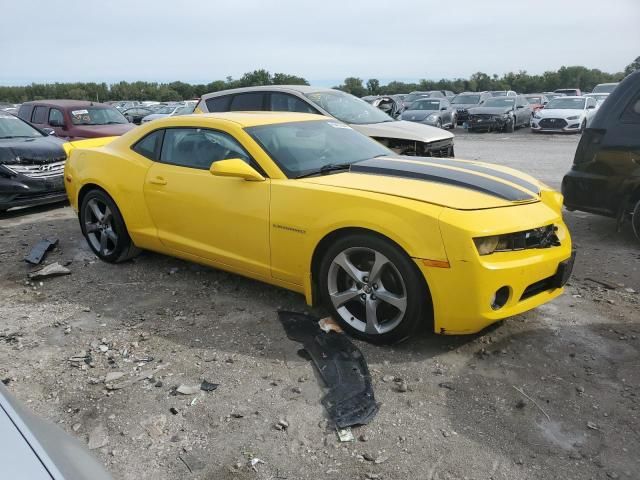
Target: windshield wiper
(18, 136)
(330, 167)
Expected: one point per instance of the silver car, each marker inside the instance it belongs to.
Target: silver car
(405, 138)
(31, 449)
(431, 111)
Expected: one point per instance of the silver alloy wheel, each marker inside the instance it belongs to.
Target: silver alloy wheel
(98, 226)
(367, 290)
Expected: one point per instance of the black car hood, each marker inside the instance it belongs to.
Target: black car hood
(490, 110)
(31, 150)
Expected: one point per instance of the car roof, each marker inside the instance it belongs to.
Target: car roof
(246, 119)
(67, 103)
(270, 88)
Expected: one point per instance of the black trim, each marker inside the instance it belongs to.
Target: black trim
(433, 173)
(494, 173)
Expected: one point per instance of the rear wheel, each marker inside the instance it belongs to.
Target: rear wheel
(635, 220)
(104, 228)
(373, 289)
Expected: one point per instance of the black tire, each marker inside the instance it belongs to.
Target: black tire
(583, 125)
(454, 123)
(635, 220)
(114, 251)
(417, 311)
(510, 126)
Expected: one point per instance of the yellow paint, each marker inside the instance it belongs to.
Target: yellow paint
(268, 228)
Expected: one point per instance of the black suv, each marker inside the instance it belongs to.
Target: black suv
(605, 176)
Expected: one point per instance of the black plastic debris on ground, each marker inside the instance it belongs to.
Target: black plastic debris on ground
(40, 249)
(350, 400)
(208, 387)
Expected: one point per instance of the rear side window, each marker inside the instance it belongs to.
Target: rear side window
(283, 102)
(39, 115)
(631, 112)
(218, 104)
(25, 112)
(150, 145)
(248, 102)
(55, 117)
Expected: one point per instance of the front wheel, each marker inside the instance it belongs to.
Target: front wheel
(373, 289)
(104, 228)
(510, 126)
(583, 125)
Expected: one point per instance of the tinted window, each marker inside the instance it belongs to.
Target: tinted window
(24, 112)
(150, 145)
(55, 117)
(283, 102)
(39, 115)
(218, 104)
(199, 148)
(247, 102)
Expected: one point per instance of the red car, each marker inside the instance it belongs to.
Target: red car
(75, 119)
(536, 101)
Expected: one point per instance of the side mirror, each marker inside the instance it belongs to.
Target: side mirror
(49, 131)
(237, 168)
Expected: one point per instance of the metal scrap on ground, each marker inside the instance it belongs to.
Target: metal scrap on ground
(40, 249)
(350, 400)
(52, 270)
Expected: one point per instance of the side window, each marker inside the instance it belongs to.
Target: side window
(247, 102)
(218, 104)
(631, 112)
(39, 115)
(199, 148)
(56, 117)
(283, 102)
(25, 112)
(150, 145)
(591, 102)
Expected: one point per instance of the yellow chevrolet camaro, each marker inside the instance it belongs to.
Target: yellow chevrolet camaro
(305, 202)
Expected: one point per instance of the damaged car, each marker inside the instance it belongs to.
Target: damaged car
(431, 111)
(466, 100)
(405, 138)
(31, 165)
(503, 114)
(605, 176)
(387, 243)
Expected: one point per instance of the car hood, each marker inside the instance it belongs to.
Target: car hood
(559, 113)
(463, 106)
(417, 115)
(490, 110)
(38, 150)
(451, 183)
(403, 130)
(95, 131)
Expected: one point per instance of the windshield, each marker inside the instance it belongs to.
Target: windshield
(534, 100)
(300, 148)
(97, 116)
(348, 108)
(467, 99)
(12, 127)
(499, 102)
(565, 103)
(425, 105)
(605, 88)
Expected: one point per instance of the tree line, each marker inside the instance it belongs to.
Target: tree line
(565, 77)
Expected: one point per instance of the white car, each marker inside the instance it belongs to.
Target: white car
(564, 114)
(600, 97)
(169, 111)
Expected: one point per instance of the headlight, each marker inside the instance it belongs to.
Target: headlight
(542, 237)
(537, 116)
(574, 117)
(433, 116)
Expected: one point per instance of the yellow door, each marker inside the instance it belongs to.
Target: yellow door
(223, 219)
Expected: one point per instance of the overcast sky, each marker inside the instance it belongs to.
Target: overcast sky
(198, 41)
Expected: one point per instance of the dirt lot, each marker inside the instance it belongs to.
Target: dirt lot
(576, 363)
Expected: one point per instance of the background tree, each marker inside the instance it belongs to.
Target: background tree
(373, 86)
(354, 86)
(632, 67)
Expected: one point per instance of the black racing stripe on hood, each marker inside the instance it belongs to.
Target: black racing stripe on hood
(490, 171)
(434, 173)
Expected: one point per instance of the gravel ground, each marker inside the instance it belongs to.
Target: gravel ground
(551, 394)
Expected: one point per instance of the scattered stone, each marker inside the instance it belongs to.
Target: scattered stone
(187, 390)
(388, 378)
(98, 437)
(302, 379)
(103, 348)
(282, 424)
(592, 426)
(368, 457)
(381, 459)
(373, 476)
(296, 390)
(580, 389)
(52, 270)
(363, 438)
(192, 462)
(113, 376)
(154, 426)
(629, 290)
(447, 385)
(613, 475)
(173, 410)
(402, 387)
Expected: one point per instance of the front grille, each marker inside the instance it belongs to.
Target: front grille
(480, 116)
(39, 171)
(552, 123)
(537, 287)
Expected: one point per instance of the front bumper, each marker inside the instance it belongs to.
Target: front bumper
(462, 295)
(486, 123)
(558, 125)
(20, 190)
